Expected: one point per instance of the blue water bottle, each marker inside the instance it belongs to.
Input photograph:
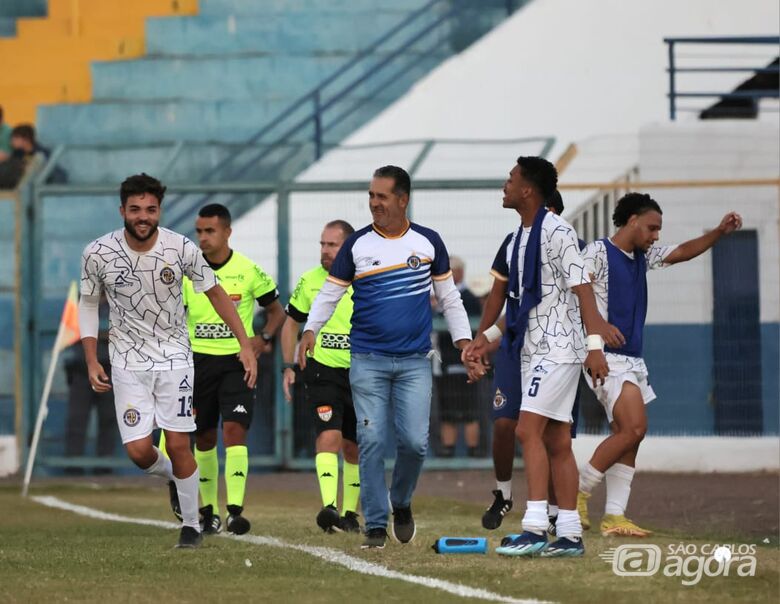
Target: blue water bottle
(460, 545)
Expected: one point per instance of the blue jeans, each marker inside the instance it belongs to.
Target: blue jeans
(403, 384)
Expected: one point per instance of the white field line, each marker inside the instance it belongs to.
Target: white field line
(324, 553)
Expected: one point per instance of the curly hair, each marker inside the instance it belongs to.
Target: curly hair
(140, 184)
(633, 203)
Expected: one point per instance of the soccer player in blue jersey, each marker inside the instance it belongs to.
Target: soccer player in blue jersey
(392, 266)
(618, 269)
(550, 299)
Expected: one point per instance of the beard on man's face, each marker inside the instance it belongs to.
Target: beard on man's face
(131, 228)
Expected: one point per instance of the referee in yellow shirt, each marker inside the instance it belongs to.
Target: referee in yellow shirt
(219, 388)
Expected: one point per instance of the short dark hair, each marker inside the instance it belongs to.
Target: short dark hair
(540, 173)
(633, 203)
(345, 227)
(216, 209)
(140, 184)
(25, 131)
(555, 203)
(402, 183)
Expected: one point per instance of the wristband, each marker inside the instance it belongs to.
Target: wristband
(288, 366)
(492, 333)
(595, 342)
(266, 337)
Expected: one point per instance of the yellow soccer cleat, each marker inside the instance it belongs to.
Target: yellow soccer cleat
(620, 526)
(582, 509)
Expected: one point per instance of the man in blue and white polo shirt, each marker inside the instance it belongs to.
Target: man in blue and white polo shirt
(392, 265)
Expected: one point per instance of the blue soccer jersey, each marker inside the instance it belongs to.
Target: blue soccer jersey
(391, 279)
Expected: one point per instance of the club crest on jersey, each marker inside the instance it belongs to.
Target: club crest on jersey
(167, 276)
(325, 412)
(413, 262)
(499, 400)
(131, 417)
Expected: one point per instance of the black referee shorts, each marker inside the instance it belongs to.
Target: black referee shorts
(220, 390)
(329, 396)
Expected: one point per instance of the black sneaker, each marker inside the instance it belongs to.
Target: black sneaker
(403, 526)
(235, 523)
(375, 539)
(210, 523)
(189, 538)
(349, 523)
(173, 493)
(329, 520)
(551, 528)
(494, 515)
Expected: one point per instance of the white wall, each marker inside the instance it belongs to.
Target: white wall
(711, 150)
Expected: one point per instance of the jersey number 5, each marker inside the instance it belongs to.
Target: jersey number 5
(534, 389)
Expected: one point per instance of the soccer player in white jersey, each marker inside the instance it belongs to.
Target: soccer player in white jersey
(393, 266)
(552, 299)
(140, 268)
(618, 267)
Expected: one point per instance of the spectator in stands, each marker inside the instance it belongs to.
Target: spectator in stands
(25, 143)
(458, 400)
(82, 399)
(5, 138)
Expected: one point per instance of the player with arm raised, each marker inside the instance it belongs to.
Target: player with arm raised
(220, 390)
(326, 381)
(141, 268)
(618, 267)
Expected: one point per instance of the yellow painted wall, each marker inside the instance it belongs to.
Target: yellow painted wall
(48, 60)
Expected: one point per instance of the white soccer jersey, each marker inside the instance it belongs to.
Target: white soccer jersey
(595, 257)
(554, 326)
(148, 327)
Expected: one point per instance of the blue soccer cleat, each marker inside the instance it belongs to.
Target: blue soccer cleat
(525, 544)
(564, 548)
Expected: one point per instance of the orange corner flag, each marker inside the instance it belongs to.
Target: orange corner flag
(70, 318)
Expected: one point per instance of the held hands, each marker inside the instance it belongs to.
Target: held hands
(288, 380)
(305, 346)
(98, 378)
(730, 223)
(249, 360)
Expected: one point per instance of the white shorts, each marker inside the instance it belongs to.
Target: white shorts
(622, 369)
(145, 400)
(549, 389)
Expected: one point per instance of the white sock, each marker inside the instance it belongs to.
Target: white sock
(590, 477)
(505, 486)
(188, 499)
(162, 467)
(568, 524)
(619, 478)
(535, 518)
(552, 510)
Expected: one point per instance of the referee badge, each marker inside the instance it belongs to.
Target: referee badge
(167, 275)
(499, 400)
(325, 412)
(131, 417)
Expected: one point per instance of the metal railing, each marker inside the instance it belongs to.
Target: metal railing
(304, 124)
(674, 69)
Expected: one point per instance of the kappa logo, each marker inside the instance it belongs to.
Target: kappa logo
(325, 412)
(184, 385)
(376, 263)
(413, 262)
(239, 409)
(499, 400)
(167, 276)
(131, 417)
